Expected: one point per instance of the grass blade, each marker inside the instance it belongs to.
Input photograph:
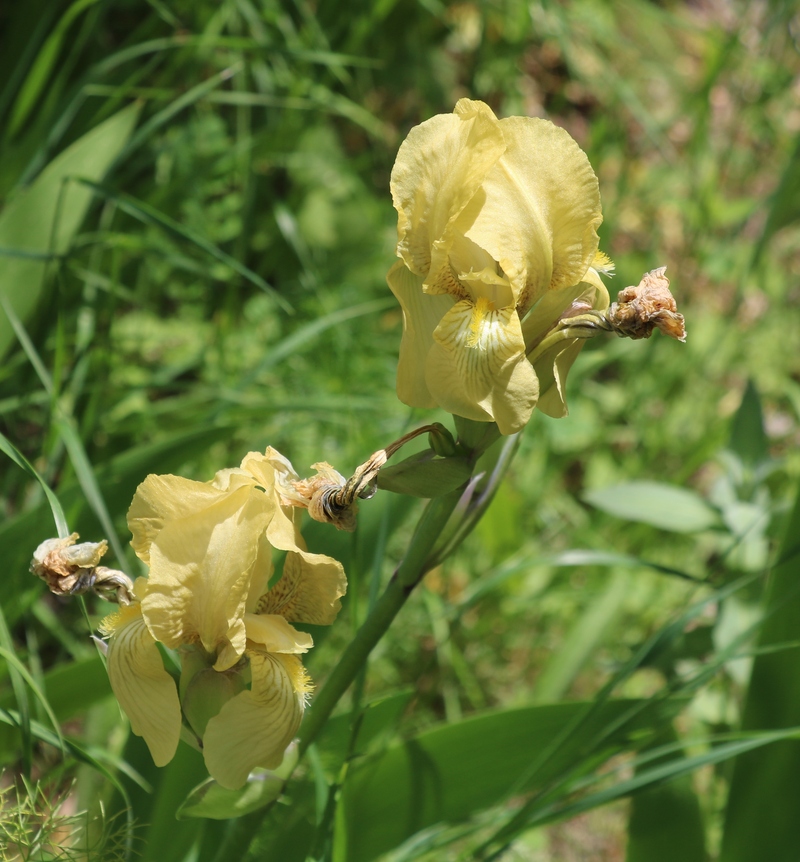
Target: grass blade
(149, 215)
(18, 458)
(761, 818)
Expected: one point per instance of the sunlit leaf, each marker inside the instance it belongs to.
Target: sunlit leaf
(665, 506)
(45, 216)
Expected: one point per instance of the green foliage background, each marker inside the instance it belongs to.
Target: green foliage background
(195, 235)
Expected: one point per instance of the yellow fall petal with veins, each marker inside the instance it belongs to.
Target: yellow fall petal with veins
(254, 728)
(478, 368)
(309, 591)
(144, 689)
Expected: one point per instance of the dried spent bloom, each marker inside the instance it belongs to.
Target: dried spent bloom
(639, 310)
(497, 235)
(328, 496)
(69, 569)
(209, 549)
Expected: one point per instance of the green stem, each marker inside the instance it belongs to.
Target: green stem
(399, 588)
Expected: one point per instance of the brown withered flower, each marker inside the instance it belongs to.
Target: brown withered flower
(69, 569)
(639, 310)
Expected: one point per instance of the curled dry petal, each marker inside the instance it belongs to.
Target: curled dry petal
(639, 310)
(61, 563)
(69, 569)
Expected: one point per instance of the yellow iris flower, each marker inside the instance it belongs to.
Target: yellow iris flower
(209, 549)
(497, 234)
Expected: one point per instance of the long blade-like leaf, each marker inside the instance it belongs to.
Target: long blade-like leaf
(761, 819)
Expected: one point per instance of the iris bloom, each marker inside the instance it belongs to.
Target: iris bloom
(497, 235)
(209, 549)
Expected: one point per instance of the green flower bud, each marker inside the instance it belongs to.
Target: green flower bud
(206, 694)
(441, 441)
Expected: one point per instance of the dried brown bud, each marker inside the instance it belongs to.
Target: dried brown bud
(60, 563)
(320, 493)
(69, 569)
(639, 310)
(328, 496)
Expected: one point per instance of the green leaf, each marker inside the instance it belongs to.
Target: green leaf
(213, 802)
(785, 202)
(210, 800)
(425, 475)
(149, 215)
(70, 689)
(582, 640)
(15, 664)
(162, 837)
(761, 820)
(665, 821)
(45, 61)
(377, 718)
(451, 772)
(45, 216)
(97, 758)
(55, 506)
(665, 506)
(748, 438)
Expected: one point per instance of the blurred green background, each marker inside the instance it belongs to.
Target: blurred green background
(195, 235)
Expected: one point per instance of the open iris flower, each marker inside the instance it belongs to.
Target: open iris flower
(209, 548)
(497, 235)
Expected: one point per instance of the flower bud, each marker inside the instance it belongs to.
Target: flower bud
(441, 441)
(207, 692)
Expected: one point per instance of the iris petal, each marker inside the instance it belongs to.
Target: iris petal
(200, 570)
(553, 366)
(273, 634)
(255, 727)
(146, 692)
(160, 499)
(540, 211)
(309, 590)
(421, 315)
(439, 167)
(478, 369)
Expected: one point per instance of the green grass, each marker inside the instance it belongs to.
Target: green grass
(221, 288)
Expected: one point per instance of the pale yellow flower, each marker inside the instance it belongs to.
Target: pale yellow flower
(209, 549)
(497, 232)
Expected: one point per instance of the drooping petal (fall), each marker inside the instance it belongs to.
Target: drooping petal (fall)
(200, 569)
(309, 590)
(478, 369)
(540, 209)
(146, 692)
(421, 315)
(439, 167)
(254, 728)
